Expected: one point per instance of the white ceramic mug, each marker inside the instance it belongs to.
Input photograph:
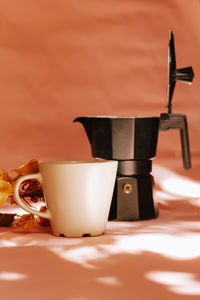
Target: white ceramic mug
(78, 195)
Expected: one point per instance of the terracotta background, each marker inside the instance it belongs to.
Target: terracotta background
(66, 58)
(62, 59)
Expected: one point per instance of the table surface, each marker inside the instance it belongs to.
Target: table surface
(132, 260)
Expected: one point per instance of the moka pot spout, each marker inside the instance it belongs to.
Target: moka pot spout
(98, 130)
(87, 124)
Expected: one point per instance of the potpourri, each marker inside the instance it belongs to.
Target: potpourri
(30, 191)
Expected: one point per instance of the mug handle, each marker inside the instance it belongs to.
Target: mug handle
(46, 214)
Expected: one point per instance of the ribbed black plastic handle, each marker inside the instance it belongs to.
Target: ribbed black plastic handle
(178, 121)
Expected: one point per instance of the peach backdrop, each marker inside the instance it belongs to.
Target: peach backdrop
(63, 59)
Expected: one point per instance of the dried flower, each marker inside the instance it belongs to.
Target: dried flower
(30, 167)
(25, 222)
(6, 189)
(43, 221)
(30, 191)
(5, 176)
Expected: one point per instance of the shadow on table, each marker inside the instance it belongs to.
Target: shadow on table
(132, 260)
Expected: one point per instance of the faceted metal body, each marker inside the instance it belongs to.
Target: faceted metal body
(122, 138)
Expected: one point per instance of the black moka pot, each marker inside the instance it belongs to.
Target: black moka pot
(133, 141)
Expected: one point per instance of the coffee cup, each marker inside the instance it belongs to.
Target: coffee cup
(78, 195)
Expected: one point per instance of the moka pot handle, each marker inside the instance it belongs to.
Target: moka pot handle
(178, 121)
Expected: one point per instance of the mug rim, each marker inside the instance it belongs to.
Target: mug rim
(76, 162)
